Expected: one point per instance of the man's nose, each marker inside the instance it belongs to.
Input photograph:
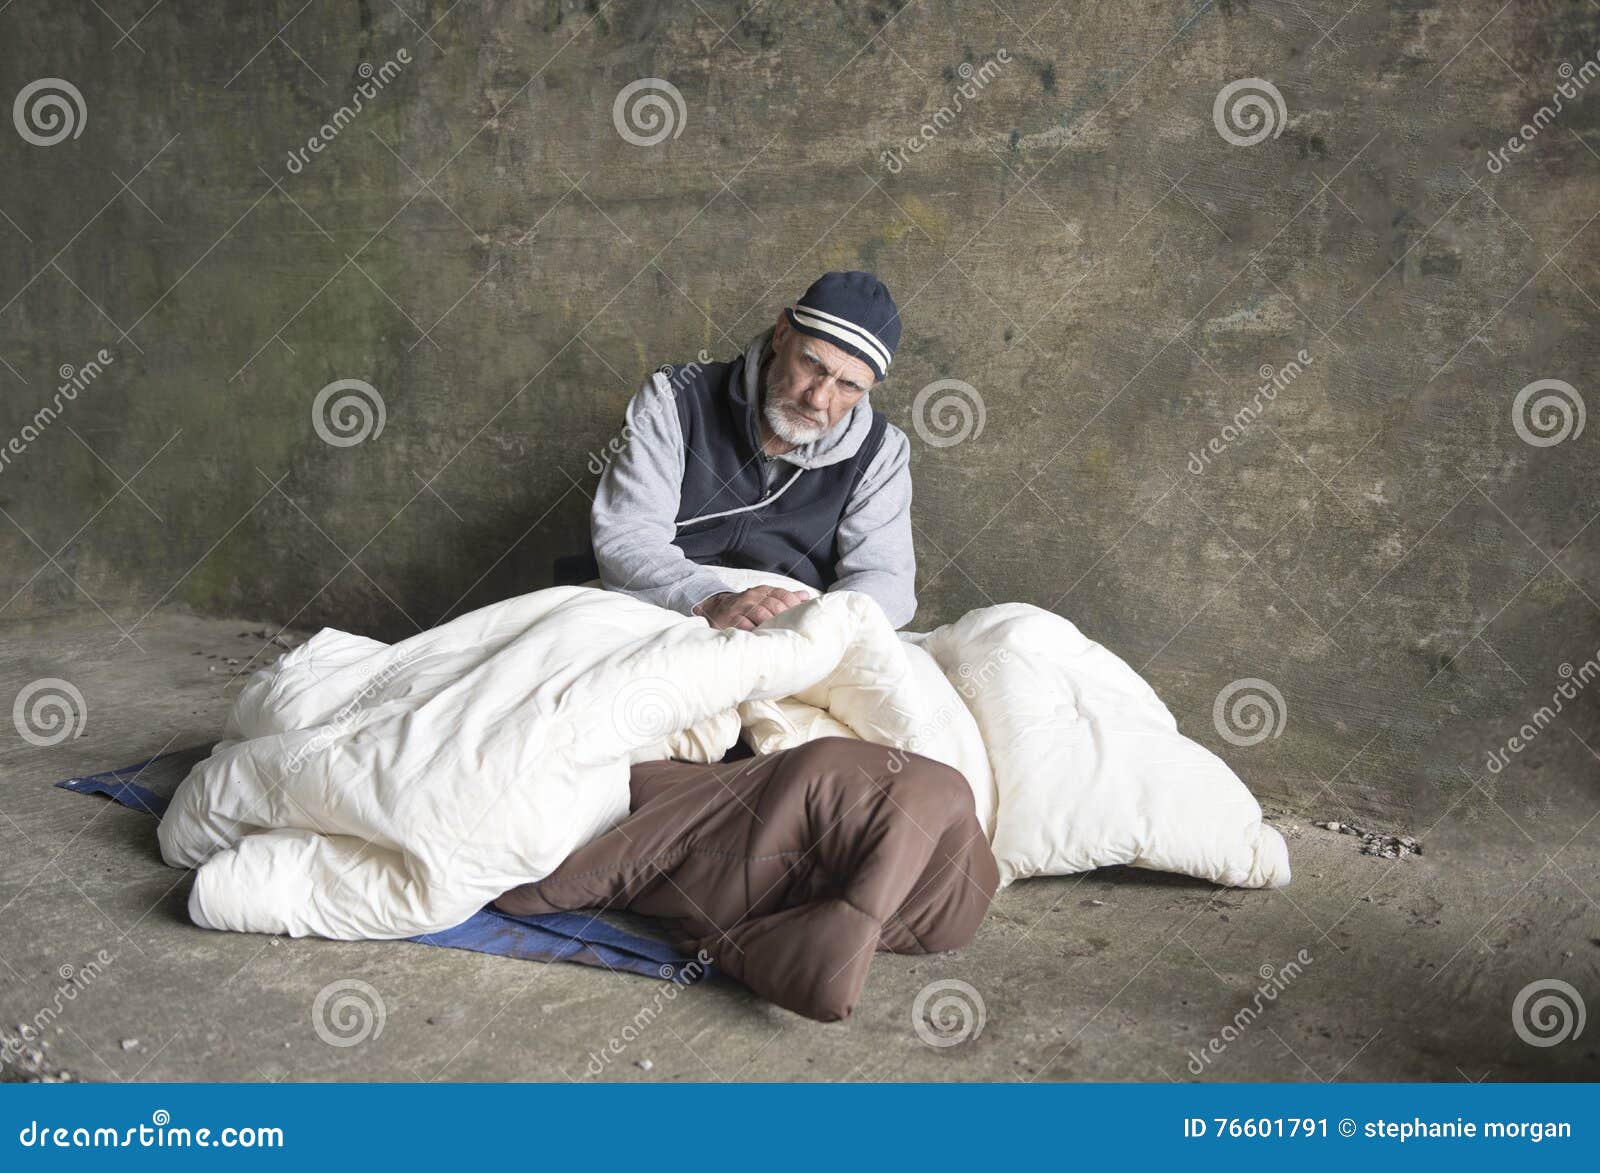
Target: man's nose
(820, 393)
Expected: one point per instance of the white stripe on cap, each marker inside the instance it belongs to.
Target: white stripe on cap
(842, 328)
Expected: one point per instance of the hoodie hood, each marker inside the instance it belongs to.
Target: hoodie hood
(840, 442)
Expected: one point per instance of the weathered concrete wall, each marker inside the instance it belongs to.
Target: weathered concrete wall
(1077, 240)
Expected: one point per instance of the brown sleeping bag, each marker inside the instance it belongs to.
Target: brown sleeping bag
(790, 869)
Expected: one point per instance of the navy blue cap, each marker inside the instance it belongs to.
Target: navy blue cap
(854, 312)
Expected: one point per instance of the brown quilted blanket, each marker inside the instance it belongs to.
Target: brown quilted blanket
(791, 869)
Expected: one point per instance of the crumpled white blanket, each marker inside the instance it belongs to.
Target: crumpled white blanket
(365, 790)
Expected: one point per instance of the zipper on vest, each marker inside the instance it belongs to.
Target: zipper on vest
(773, 496)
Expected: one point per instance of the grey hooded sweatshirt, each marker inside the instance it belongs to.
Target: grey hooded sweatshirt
(633, 520)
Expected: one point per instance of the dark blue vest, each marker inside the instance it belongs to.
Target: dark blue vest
(797, 534)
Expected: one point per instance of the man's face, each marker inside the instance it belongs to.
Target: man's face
(811, 385)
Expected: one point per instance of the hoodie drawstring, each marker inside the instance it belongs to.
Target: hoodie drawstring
(768, 500)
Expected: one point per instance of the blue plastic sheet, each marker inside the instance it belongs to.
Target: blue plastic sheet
(562, 936)
(129, 794)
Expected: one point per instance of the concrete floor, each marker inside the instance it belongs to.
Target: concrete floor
(1116, 975)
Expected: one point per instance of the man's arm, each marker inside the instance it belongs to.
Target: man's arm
(636, 504)
(875, 551)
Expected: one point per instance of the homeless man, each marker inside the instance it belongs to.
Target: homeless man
(775, 461)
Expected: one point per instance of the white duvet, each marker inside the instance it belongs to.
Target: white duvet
(368, 790)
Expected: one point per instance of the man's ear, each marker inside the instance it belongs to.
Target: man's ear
(781, 330)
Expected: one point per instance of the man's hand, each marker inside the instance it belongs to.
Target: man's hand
(747, 610)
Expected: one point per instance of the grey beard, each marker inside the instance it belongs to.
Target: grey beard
(785, 428)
